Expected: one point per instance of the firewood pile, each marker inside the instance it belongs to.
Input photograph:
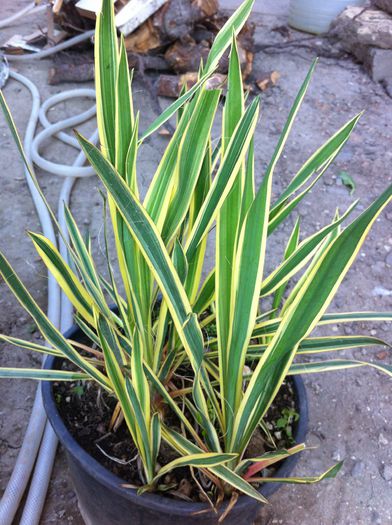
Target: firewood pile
(168, 37)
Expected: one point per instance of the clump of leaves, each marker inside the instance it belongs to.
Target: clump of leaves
(288, 417)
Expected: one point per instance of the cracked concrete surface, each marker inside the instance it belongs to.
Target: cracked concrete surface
(350, 411)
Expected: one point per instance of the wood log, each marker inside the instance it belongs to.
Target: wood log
(79, 67)
(174, 21)
(185, 56)
(171, 85)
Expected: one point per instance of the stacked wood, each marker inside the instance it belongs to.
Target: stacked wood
(176, 37)
(174, 21)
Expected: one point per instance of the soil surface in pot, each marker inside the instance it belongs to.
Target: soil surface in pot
(87, 411)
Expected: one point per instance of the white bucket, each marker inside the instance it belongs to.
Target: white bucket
(315, 16)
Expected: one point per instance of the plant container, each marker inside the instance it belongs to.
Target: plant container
(315, 16)
(104, 501)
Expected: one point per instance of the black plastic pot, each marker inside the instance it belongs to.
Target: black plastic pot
(103, 500)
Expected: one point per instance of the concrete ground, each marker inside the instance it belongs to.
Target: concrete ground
(350, 412)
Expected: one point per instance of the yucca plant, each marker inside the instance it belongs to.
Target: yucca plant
(152, 352)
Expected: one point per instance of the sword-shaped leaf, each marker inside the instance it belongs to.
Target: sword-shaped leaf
(335, 364)
(42, 375)
(46, 327)
(300, 319)
(106, 60)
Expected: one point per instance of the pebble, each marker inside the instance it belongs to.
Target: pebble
(378, 269)
(382, 439)
(386, 472)
(375, 516)
(381, 291)
(388, 259)
(358, 469)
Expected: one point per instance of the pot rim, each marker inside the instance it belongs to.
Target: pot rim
(114, 483)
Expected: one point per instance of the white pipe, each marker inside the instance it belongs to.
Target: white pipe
(59, 311)
(32, 9)
(47, 452)
(51, 50)
(54, 129)
(27, 454)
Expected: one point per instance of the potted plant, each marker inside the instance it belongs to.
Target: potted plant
(187, 369)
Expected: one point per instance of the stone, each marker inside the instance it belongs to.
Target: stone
(382, 439)
(385, 5)
(378, 268)
(358, 469)
(386, 472)
(388, 259)
(378, 62)
(381, 291)
(358, 27)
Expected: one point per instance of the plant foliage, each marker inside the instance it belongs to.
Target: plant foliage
(153, 354)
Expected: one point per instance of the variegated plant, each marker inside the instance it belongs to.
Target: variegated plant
(151, 353)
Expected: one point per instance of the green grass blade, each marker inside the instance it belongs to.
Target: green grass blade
(125, 119)
(248, 271)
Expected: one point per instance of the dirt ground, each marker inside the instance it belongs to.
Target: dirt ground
(351, 411)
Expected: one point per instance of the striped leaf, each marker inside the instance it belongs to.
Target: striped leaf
(302, 316)
(321, 159)
(252, 466)
(330, 473)
(106, 60)
(335, 364)
(300, 256)
(189, 161)
(64, 276)
(47, 329)
(271, 326)
(228, 218)
(184, 446)
(42, 375)
(291, 247)
(28, 345)
(222, 41)
(225, 177)
(200, 460)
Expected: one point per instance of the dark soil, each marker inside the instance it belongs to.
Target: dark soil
(87, 411)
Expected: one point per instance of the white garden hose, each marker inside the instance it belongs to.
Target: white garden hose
(52, 50)
(30, 9)
(59, 308)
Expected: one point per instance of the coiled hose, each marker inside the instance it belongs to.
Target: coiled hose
(59, 308)
(40, 438)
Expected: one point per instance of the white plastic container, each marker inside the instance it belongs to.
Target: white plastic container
(315, 16)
